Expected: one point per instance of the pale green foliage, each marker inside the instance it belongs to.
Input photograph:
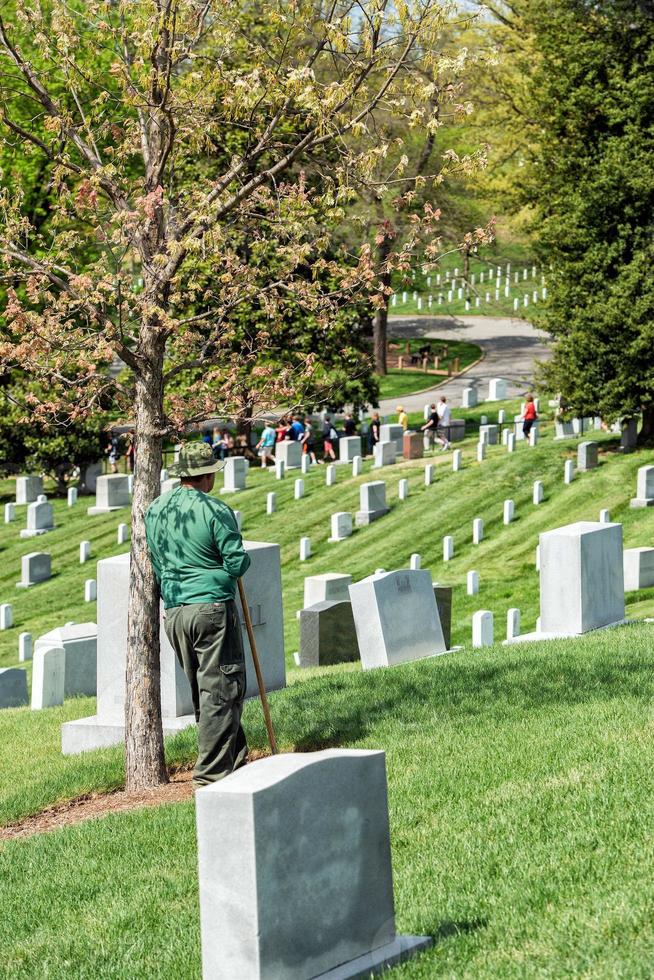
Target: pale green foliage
(185, 140)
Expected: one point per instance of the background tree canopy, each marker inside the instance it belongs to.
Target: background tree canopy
(590, 181)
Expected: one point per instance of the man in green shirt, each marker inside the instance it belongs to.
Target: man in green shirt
(198, 555)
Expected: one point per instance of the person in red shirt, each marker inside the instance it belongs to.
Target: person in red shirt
(529, 416)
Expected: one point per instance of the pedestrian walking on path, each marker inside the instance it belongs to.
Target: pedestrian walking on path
(430, 428)
(443, 428)
(529, 415)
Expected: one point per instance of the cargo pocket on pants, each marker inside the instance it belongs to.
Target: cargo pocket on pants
(232, 682)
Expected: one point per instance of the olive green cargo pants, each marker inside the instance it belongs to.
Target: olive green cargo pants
(207, 640)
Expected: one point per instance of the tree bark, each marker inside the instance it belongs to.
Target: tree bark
(646, 434)
(145, 764)
(379, 337)
(380, 319)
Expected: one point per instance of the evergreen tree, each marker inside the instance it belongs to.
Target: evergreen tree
(589, 119)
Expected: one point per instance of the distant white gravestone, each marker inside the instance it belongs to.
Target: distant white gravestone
(349, 447)
(235, 474)
(112, 493)
(48, 677)
(79, 641)
(290, 891)
(644, 488)
(13, 687)
(35, 568)
(372, 502)
(40, 519)
(341, 526)
(28, 488)
(384, 454)
(396, 618)
(289, 452)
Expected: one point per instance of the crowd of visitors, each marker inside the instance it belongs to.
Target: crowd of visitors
(299, 428)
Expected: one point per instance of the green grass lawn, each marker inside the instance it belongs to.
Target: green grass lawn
(522, 817)
(519, 777)
(398, 382)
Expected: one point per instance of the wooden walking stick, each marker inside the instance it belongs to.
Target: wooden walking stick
(257, 668)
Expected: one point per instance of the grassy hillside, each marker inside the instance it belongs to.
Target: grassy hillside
(505, 559)
(520, 778)
(521, 806)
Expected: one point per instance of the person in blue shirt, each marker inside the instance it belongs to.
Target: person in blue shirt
(296, 430)
(266, 445)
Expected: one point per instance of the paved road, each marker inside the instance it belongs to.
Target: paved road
(510, 346)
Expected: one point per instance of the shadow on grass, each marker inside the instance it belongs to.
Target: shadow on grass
(329, 711)
(448, 928)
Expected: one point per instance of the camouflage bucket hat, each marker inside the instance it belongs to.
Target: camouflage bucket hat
(195, 459)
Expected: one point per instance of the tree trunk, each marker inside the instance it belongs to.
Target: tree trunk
(646, 434)
(244, 427)
(379, 337)
(145, 764)
(380, 319)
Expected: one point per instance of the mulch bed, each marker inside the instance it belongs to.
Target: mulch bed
(94, 805)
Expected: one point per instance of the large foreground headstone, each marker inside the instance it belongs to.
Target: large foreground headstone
(28, 488)
(262, 583)
(396, 618)
(327, 634)
(79, 642)
(112, 493)
(644, 488)
(372, 502)
(295, 870)
(13, 687)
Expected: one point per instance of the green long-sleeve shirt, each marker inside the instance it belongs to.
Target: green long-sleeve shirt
(196, 547)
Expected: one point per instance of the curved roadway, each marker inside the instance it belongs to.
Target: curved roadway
(511, 347)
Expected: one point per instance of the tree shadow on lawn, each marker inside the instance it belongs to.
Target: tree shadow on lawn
(332, 710)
